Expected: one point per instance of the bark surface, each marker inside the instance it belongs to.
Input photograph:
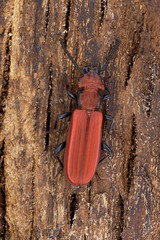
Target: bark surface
(123, 199)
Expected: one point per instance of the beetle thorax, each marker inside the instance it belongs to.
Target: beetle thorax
(89, 99)
(91, 83)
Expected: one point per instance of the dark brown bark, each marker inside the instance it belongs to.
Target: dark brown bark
(123, 199)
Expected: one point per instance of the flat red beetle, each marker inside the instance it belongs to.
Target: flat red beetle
(85, 132)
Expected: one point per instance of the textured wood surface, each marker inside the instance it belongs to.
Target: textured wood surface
(123, 199)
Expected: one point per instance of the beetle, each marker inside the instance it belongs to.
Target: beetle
(83, 143)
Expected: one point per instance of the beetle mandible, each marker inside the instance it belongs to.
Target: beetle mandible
(83, 143)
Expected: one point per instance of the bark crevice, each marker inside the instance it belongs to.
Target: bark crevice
(50, 88)
(73, 207)
(5, 79)
(67, 22)
(121, 220)
(2, 194)
(132, 155)
(33, 200)
(103, 7)
(137, 35)
(150, 90)
(47, 18)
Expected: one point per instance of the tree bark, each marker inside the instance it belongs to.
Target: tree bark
(123, 199)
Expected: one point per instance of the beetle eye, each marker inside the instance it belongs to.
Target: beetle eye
(86, 69)
(96, 69)
(75, 187)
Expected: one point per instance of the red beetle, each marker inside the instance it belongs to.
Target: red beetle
(84, 137)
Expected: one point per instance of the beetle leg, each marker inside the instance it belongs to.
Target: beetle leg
(106, 97)
(61, 116)
(59, 161)
(72, 95)
(107, 149)
(110, 118)
(103, 159)
(58, 149)
(104, 94)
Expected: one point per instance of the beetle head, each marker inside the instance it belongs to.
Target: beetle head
(91, 79)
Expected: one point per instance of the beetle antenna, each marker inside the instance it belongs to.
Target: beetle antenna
(70, 57)
(110, 56)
